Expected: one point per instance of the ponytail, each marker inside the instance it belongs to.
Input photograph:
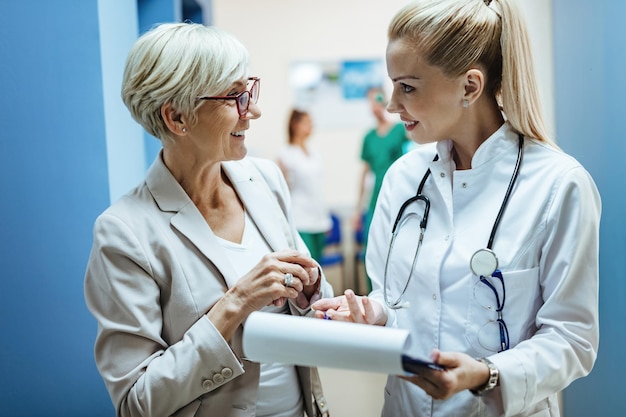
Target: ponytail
(519, 93)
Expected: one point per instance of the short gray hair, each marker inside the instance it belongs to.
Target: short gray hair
(176, 63)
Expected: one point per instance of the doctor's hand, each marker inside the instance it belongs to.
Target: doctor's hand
(461, 372)
(350, 307)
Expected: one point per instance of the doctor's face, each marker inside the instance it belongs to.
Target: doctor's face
(429, 102)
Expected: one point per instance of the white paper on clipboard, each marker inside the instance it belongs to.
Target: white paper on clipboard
(281, 338)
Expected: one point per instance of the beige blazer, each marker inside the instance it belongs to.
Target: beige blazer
(154, 271)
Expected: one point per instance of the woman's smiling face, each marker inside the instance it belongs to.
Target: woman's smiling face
(220, 128)
(429, 102)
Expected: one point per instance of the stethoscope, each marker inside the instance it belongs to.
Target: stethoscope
(484, 262)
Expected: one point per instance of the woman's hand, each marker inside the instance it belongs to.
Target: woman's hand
(310, 288)
(461, 372)
(264, 285)
(350, 307)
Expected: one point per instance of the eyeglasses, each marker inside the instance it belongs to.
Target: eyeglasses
(242, 99)
(484, 292)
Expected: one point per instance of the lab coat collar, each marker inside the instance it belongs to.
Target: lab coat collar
(501, 141)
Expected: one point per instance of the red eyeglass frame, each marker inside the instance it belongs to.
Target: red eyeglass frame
(256, 82)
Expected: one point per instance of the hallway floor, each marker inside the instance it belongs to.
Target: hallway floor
(353, 393)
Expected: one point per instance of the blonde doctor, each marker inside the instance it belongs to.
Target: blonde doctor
(484, 241)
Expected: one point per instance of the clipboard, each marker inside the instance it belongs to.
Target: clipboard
(306, 341)
(417, 366)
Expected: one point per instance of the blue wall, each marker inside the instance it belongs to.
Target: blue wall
(58, 171)
(151, 12)
(54, 181)
(590, 57)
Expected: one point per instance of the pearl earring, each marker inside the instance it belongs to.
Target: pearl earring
(184, 130)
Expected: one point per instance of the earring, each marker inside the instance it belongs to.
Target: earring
(184, 130)
(465, 104)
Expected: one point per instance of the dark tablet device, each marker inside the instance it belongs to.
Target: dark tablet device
(418, 366)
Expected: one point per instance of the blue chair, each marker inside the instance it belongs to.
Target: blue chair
(359, 253)
(333, 250)
(359, 241)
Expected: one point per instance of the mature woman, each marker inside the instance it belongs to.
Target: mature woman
(180, 261)
(494, 264)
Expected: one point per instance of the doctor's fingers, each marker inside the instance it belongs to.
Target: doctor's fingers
(335, 315)
(374, 312)
(430, 386)
(357, 310)
(334, 303)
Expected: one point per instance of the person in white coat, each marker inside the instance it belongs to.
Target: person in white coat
(179, 263)
(494, 263)
(303, 168)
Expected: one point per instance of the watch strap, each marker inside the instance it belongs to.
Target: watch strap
(494, 375)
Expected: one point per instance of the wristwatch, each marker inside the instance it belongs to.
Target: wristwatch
(494, 374)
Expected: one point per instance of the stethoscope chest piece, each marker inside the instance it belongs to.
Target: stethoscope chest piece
(484, 262)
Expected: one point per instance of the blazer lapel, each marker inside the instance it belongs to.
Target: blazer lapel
(187, 219)
(190, 222)
(260, 203)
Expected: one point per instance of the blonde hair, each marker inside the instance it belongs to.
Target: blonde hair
(456, 35)
(177, 63)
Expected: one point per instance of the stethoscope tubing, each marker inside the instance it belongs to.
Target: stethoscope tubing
(423, 223)
(509, 190)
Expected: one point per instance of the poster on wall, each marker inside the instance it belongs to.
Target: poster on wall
(335, 92)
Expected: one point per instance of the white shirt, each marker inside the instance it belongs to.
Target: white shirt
(547, 247)
(279, 390)
(305, 176)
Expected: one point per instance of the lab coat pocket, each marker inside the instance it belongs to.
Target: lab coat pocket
(502, 312)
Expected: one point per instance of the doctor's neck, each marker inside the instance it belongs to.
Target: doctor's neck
(481, 120)
(462, 160)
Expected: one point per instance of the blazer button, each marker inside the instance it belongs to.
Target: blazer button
(227, 373)
(207, 384)
(218, 378)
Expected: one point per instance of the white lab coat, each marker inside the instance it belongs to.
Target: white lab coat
(547, 247)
